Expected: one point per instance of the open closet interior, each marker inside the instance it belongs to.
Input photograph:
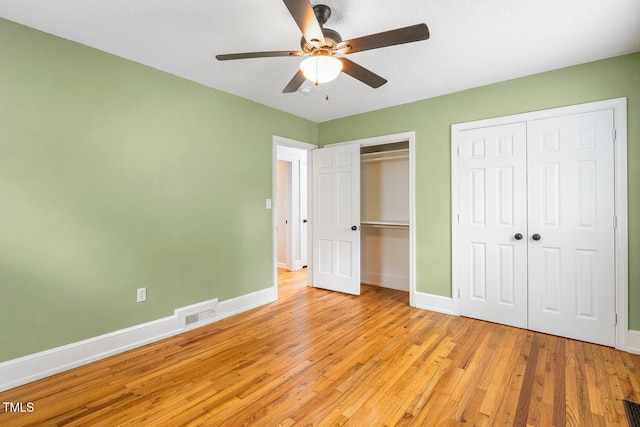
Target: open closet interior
(384, 210)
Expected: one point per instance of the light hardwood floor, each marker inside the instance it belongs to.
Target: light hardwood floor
(322, 358)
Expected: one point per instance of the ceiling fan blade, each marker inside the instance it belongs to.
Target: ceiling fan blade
(229, 56)
(305, 17)
(409, 34)
(359, 72)
(295, 83)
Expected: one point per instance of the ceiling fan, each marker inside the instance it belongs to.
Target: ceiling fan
(321, 45)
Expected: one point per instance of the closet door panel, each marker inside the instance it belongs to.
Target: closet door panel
(492, 259)
(336, 204)
(571, 202)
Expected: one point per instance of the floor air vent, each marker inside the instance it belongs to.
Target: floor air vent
(197, 317)
(197, 314)
(633, 412)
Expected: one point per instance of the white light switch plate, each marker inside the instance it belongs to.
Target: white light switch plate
(268, 203)
(141, 295)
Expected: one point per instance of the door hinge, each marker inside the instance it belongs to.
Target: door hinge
(458, 292)
(458, 150)
(616, 319)
(615, 222)
(615, 134)
(458, 218)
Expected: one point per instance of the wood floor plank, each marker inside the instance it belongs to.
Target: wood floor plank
(322, 358)
(495, 378)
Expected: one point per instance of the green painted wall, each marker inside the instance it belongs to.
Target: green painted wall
(115, 176)
(431, 119)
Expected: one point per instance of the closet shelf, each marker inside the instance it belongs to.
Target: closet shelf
(385, 224)
(385, 155)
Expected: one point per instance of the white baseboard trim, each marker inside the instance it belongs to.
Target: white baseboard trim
(247, 302)
(633, 341)
(26, 369)
(435, 303)
(35, 366)
(391, 282)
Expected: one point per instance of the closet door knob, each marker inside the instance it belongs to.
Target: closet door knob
(518, 236)
(536, 237)
(354, 228)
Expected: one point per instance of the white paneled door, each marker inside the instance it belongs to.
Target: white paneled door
(336, 218)
(493, 224)
(571, 226)
(536, 242)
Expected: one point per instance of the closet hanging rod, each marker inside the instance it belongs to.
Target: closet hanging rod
(382, 159)
(385, 224)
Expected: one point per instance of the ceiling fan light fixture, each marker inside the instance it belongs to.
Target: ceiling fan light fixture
(321, 68)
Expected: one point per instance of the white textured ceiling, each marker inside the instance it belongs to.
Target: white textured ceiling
(473, 42)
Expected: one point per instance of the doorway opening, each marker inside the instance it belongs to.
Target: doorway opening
(291, 217)
(366, 170)
(374, 144)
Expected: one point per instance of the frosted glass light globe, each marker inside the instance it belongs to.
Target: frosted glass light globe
(321, 69)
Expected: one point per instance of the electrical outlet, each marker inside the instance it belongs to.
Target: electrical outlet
(141, 295)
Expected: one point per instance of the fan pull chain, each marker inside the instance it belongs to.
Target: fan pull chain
(326, 98)
(316, 71)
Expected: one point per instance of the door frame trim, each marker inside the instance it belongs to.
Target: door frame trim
(293, 157)
(621, 233)
(292, 143)
(388, 139)
(288, 263)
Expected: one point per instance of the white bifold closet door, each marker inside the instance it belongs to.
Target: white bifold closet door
(537, 225)
(571, 209)
(493, 210)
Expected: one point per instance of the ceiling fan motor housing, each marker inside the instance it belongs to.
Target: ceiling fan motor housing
(323, 13)
(331, 37)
